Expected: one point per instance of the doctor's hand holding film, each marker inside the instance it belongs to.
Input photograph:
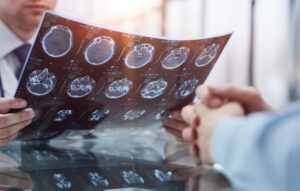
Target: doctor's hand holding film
(12, 123)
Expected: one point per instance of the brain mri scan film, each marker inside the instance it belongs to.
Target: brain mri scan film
(98, 115)
(139, 56)
(131, 177)
(207, 55)
(83, 79)
(163, 176)
(41, 82)
(154, 89)
(97, 180)
(175, 58)
(186, 88)
(133, 114)
(58, 41)
(100, 50)
(61, 181)
(81, 87)
(62, 115)
(118, 89)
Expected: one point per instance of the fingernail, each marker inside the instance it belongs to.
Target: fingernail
(30, 111)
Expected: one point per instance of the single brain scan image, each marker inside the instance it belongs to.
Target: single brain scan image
(139, 56)
(97, 180)
(175, 58)
(133, 114)
(81, 87)
(61, 181)
(131, 177)
(62, 115)
(58, 41)
(163, 176)
(186, 88)
(43, 155)
(118, 89)
(41, 82)
(154, 89)
(100, 50)
(207, 55)
(98, 115)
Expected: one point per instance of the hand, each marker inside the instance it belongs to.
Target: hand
(248, 97)
(174, 123)
(200, 135)
(12, 123)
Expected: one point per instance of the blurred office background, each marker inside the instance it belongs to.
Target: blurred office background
(273, 27)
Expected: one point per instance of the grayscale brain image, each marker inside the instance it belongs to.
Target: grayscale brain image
(41, 82)
(81, 87)
(98, 115)
(62, 115)
(58, 41)
(133, 114)
(154, 89)
(175, 58)
(140, 55)
(84, 78)
(187, 88)
(118, 89)
(207, 56)
(100, 50)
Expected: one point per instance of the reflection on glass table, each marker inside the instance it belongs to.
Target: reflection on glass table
(39, 166)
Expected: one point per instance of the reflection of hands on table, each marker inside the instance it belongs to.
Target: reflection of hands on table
(11, 177)
(12, 123)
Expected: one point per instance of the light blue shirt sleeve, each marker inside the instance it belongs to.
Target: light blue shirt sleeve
(260, 151)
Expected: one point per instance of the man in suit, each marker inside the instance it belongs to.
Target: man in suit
(19, 20)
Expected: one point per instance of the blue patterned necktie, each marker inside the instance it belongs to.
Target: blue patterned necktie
(21, 53)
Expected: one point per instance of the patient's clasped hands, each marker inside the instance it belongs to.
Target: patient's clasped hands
(212, 105)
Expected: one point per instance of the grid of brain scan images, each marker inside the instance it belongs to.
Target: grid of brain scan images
(82, 77)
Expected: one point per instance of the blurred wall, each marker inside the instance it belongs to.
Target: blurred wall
(195, 18)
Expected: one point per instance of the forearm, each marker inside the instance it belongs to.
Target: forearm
(259, 151)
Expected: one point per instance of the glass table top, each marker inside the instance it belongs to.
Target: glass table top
(88, 165)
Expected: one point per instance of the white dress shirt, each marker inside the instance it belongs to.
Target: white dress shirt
(8, 61)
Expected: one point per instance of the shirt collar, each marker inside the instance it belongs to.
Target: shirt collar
(9, 41)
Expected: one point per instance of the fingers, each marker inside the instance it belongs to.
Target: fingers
(174, 124)
(189, 115)
(189, 134)
(195, 151)
(207, 98)
(11, 103)
(9, 119)
(176, 133)
(235, 93)
(8, 139)
(7, 132)
(176, 115)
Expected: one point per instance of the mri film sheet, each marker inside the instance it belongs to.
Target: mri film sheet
(83, 77)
